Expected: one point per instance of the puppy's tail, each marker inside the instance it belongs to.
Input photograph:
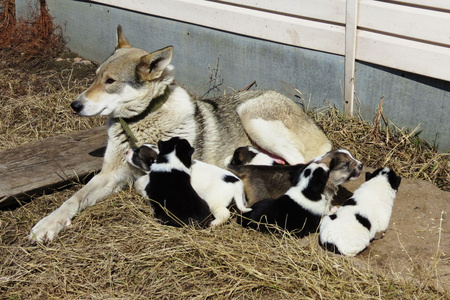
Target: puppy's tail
(239, 197)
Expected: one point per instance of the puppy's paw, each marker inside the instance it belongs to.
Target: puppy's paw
(379, 235)
(216, 222)
(47, 228)
(333, 210)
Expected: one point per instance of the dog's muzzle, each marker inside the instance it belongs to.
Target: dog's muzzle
(356, 174)
(77, 106)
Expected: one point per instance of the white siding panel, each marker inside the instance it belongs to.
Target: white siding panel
(425, 59)
(325, 10)
(394, 34)
(264, 25)
(411, 22)
(435, 4)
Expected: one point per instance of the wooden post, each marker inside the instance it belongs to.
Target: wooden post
(351, 22)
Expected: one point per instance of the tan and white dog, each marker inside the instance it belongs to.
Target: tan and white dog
(138, 87)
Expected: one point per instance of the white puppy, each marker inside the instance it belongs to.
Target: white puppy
(360, 218)
(218, 187)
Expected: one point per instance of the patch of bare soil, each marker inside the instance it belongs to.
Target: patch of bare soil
(417, 242)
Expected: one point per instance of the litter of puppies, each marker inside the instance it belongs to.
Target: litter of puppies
(182, 191)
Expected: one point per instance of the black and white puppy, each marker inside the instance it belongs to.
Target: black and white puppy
(350, 230)
(174, 200)
(299, 210)
(261, 182)
(142, 158)
(218, 187)
(248, 155)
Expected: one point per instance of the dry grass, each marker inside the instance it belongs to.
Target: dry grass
(384, 144)
(35, 102)
(117, 250)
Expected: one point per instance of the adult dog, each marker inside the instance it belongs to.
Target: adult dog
(138, 87)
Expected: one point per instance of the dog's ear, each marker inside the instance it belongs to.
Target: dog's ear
(122, 41)
(184, 152)
(152, 65)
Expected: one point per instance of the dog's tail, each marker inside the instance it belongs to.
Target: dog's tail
(239, 197)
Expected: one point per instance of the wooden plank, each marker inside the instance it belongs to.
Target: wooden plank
(260, 24)
(35, 167)
(324, 10)
(350, 55)
(411, 22)
(434, 4)
(397, 53)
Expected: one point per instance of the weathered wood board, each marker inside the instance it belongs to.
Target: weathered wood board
(46, 164)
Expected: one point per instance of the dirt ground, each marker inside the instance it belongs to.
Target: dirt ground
(417, 241)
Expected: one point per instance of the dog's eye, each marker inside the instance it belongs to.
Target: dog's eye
(110, 81)
(345, 166)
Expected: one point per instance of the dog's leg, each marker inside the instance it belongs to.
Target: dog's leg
(141, 183)
(239, 197)
(101, 186)
(221, 215)
(274, 137)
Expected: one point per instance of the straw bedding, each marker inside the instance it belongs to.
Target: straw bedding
(116, 250)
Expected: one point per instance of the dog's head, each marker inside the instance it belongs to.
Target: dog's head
(126, 82)
(312, 180)
(393, 179)
(343, 166)
(247, 155)
(174, 151)
(143, 157)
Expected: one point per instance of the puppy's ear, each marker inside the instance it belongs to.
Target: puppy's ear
(122, 41)
(152, 65)
(332, 164)
(394, 180)
(161, 146)
(369, 176)
(184, 152)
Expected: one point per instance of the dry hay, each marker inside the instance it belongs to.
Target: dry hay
(117, 250)
(377, 146)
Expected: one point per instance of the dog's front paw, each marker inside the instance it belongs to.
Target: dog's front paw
(216, 222)
(246, 210)
(47, 228)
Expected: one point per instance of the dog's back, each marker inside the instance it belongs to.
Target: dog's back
(262, 182)
(173, 198)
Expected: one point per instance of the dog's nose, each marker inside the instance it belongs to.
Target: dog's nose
(77, 106)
